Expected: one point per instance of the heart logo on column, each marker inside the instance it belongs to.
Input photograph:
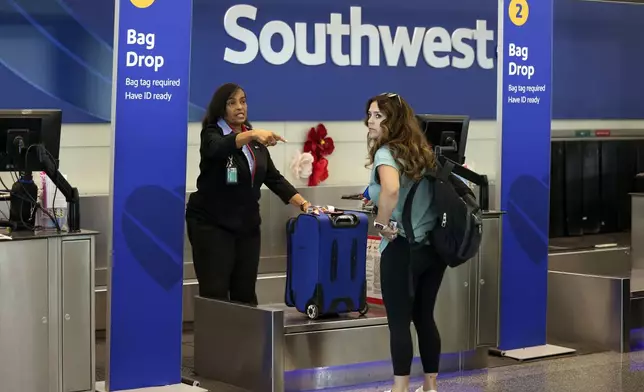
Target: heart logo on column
(528, 212)
(153, 228)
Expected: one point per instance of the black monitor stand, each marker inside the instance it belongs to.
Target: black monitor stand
(69, 192)
(23, 197)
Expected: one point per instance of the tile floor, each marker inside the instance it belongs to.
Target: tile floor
(602, 372)
(588, 372)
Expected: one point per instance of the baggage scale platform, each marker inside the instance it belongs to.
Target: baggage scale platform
(276, 348)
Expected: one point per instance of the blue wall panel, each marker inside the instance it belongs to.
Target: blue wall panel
(57, 53)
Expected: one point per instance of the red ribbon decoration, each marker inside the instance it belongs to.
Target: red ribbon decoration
(320, 172)
(320, 145)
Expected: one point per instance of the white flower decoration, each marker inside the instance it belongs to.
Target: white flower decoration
(302, 165)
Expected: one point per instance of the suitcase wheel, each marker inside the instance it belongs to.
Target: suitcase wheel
(312, 311)
(364, 310)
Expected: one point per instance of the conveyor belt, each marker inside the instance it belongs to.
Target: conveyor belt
(603, 255)
(588, 242)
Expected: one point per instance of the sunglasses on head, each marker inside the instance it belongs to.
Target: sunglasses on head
(392, 95)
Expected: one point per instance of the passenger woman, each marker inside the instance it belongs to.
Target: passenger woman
(222, 216)
(399, 154)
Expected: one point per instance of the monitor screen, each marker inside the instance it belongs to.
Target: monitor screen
(27, 128)
(446, 131)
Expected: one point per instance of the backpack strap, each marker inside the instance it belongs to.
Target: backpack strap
(409, 232)
(406, 213)
(446, 170)
(442, 171)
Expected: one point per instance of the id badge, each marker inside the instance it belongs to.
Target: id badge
(231, 173)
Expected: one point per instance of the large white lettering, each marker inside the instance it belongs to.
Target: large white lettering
(519, 53)
(147, 41)
(439, 49)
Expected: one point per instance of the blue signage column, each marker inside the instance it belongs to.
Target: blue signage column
(524, 115)
(150, 120)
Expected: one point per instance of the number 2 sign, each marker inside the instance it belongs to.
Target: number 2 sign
(518, 12)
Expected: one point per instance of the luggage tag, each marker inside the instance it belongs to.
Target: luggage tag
(231, 172)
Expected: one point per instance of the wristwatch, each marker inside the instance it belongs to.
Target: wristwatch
(379, 226)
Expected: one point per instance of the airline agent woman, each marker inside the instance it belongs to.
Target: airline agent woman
(223, 216)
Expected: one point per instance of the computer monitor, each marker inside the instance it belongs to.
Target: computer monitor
(446, 131)
(30, 142)
(21, 130)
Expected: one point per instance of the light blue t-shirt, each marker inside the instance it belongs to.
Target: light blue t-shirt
(423, 218)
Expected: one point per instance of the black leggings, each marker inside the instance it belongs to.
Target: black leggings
(402, 309)
(225, 263)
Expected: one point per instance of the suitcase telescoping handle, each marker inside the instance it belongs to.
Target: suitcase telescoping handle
(343, 220)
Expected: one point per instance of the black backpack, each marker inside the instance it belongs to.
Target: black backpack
(459, 226)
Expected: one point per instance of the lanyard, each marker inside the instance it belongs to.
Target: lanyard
(252, 154)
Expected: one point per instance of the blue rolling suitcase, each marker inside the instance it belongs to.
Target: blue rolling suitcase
(326, 263)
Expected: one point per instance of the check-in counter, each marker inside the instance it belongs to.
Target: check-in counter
(637, 246)
(637, 266)
(285, 351)
(467, 309)
(591, 280)
(47, 312)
